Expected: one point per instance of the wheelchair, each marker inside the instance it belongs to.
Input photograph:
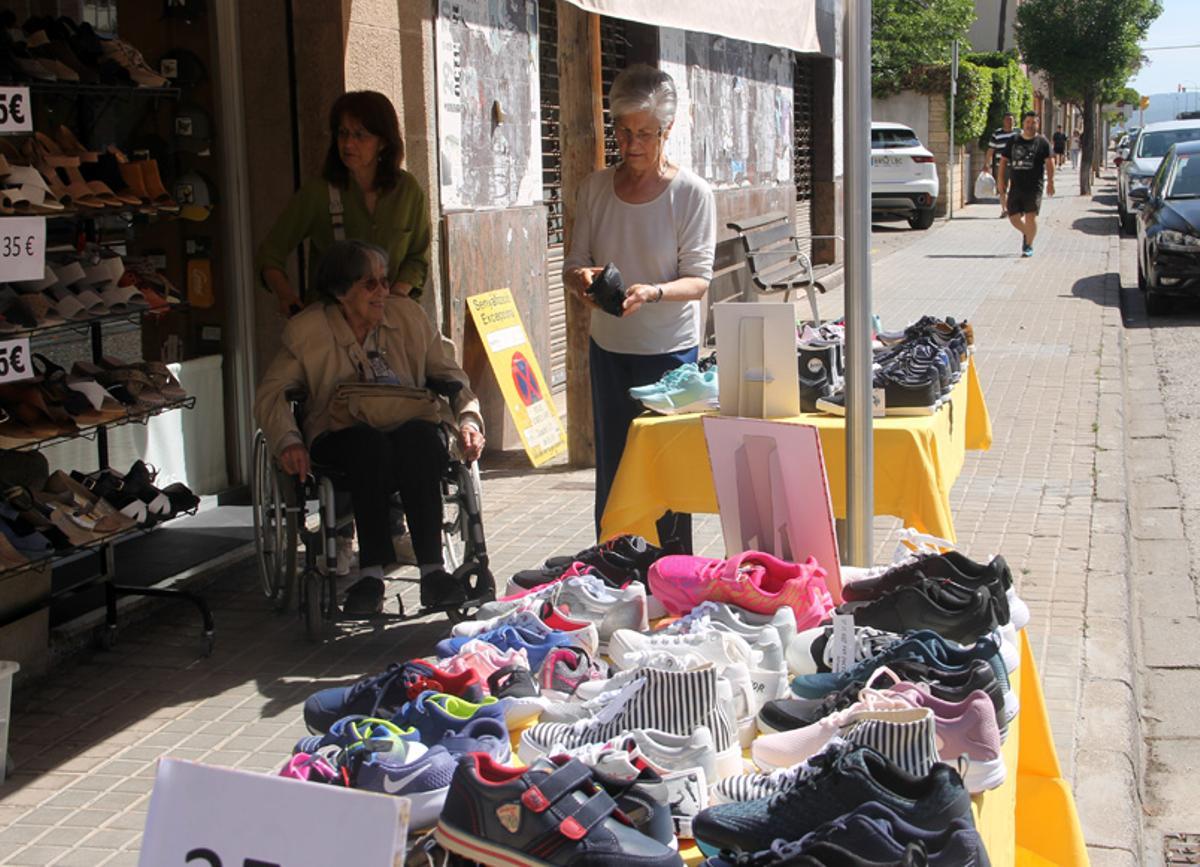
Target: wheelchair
(289, 512)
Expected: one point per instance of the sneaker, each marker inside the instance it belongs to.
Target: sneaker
(440, 590)
(309, 768)
(957, 614)
(753, 580)
(904, 394)
(546, 814)
(669, 380)
(484, 660)
(523, 701)
(811, 651)
(376, 735)
(620, 560)
(923, 646)
(748, 624)
(1027, 250)
(910, 742)
(382, 695)
(667, 753)
(585, 598)
(720, 648)
(481, 735)
(434, 714)
(640, 793)
(842, 776)
(693, 392)
(548, 618)
(423, 776)
(675, 702)
(531, 636)
(521, 597)
(967, 728)
(565, 669)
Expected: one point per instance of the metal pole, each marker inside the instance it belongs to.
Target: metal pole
(953, 94)
(860, 483)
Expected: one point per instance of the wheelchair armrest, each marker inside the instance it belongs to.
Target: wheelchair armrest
(447, 388)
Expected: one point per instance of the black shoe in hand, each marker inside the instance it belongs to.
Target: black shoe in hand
(440, 590)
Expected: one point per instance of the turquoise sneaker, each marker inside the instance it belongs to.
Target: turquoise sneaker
(670, 380)
(692, 392)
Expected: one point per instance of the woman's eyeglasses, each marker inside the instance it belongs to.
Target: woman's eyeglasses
(359, 135)
(373, 283)
(642, 136)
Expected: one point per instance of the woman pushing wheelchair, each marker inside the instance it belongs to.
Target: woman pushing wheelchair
(370, 362)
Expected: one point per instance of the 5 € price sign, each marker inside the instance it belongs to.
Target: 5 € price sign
(14, 360)
(22, 248)
(15, 113)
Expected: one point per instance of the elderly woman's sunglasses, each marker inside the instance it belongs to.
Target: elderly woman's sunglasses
(373, 283)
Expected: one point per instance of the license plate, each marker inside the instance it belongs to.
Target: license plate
(885, 161)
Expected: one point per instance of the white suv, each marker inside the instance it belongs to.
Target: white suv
(1146, 152)
(904, 179)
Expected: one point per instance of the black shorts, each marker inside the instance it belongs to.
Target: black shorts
(1023, 201)
(1060, 149)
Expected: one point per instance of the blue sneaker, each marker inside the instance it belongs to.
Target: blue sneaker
(669, 380)
(435, 714)
(423, 776)
(381, 695)
(692, 392)
(482, 735)
(923, 646)
(354, 732)
(533, 636)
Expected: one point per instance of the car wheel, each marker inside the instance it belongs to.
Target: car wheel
(923, 219)
(1128, 223)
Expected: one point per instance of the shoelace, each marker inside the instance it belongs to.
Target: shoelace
(613, 706)
(694, 619)
(658, 658)
(406, 672)
(673, 377)
(809, 774)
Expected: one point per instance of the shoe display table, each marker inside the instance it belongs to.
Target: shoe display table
(917, 460)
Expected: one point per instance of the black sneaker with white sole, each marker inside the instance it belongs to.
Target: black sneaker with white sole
(904, 393)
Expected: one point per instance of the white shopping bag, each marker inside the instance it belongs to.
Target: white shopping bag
(985, 186)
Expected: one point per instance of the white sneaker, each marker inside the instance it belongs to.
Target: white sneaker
(747, 624)
(811, 651)
(710, 644)
(586, 597)
(591, 696)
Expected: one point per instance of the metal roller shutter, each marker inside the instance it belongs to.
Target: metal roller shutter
(552, 196)
(802, 150)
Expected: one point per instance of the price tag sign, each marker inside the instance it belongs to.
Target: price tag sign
(205, 816)
(15, 113)
(22, 248)
(843, 642)
(14, 360)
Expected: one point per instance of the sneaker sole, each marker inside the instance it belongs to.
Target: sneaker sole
(982, 776)
(705, 405)
(482, 851)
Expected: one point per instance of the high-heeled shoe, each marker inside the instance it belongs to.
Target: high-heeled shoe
(153, 184)
(48, 165)
(45, 152)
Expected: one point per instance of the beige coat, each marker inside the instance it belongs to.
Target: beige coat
(320, 351)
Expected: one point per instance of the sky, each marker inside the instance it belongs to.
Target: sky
(1179, 24)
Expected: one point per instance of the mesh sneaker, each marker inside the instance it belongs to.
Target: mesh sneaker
(565, 669)
(620, 560)
(912, 732)
(545, 618)
(434, 714)
(843, 778)
(523, 701)
(423, 776)
(377, 735)
(811, 651)
(381, 695)
(748, 624)
(482, 735)
(905, 393)
(531, 635)
(584, 598)
(671, 379)
(955, 613)
(484, 659)
(692, 392)
(752, 580)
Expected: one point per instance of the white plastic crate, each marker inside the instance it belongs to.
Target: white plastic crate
(8, 670)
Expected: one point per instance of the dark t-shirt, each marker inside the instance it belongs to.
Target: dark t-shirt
(1060, 140)
(1027, 162)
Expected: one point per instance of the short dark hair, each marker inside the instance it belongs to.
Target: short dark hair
(1007, 114)
(378, 116)
(1028, 114)
(343, 265)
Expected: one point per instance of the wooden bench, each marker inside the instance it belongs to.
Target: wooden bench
(774, 257)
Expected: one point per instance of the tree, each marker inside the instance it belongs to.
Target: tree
(1089, 49)
(906, 34)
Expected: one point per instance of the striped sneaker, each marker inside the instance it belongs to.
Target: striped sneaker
(912, 729)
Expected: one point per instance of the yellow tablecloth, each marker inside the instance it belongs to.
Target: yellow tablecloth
(917, 460)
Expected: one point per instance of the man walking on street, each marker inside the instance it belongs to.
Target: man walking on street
(1023, 162)
(1060, 147)
(1001, 136)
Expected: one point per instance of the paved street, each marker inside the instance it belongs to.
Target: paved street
(1050, 496)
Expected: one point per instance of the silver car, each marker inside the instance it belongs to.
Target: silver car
(1145, 155)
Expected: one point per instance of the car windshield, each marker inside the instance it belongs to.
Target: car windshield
(894, 138)
(1156, 144)
(1184, 180)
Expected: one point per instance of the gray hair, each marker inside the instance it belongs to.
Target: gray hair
(343, 265)
(643, 88)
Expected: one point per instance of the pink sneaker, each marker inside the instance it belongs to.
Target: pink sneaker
(516, 594)
(752, 580)
(303, 766)
(565, 668)
(964, 729)
(484, 659)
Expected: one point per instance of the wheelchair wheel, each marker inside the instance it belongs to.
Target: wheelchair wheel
(457, 547)
(276, 534)
(319, 605)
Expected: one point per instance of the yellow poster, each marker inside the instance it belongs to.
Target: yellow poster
(516, 368)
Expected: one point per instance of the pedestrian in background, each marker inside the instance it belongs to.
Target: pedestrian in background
(1076, 147)
(1025, 163)
(1060, 147)
(1001, 136)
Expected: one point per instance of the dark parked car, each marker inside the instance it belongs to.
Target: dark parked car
(1168, 228)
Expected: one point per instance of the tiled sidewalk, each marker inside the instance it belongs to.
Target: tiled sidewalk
(85, 741)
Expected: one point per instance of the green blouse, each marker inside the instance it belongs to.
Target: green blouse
(400, 225)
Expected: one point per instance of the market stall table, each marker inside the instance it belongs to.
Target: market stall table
(917, 460)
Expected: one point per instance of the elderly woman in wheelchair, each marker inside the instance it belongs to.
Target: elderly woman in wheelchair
(370, 363)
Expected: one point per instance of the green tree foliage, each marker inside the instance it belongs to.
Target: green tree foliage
(1088, 48)
(907, 34)
(1011, 90)
(985, 92)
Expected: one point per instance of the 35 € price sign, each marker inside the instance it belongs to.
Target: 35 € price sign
(14, 360)
(15, 112)
(22, 248)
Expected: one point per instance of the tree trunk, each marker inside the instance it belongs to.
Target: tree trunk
(1089, 136)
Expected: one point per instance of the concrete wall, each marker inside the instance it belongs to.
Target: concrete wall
(938, 143)
(908, 107)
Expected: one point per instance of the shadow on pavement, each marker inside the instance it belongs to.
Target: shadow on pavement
(972, 256)
(1096, 225)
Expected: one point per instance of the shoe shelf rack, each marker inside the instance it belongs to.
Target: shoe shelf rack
(83, 326)
(93, 432)
(69, 88)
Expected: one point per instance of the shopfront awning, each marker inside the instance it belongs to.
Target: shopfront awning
(783, 23)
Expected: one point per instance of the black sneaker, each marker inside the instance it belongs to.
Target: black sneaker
(619, 561)
(843, 778)
(951, 567)
(608, 290)
(707, 361)
(820, 853)
(546, 814)
(905, 393)
(817, 368)
(957, 613)
(440, 590)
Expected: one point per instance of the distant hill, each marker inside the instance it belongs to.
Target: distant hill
(1163, 106)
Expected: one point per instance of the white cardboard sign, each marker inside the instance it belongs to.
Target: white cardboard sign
(757, 376)
(14, 360)
(205, 816)
(16, 114)
(22, 248)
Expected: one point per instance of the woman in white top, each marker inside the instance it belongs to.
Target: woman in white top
(657, 223)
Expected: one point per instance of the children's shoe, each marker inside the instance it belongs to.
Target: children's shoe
(434, 714)
(484, 659)
(582, 632)
(753, 580)
(531, 636)
(309, 768)
(564, 669)
(381, 695)
(356, 732)
(523, 700)
(423, 776)
(482, 735)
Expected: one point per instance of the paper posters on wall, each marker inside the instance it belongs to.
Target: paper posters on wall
(772, 491)
(518, 374)
(757, 376)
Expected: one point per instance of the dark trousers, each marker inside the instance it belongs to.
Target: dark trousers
(613, 411)
(410, 460)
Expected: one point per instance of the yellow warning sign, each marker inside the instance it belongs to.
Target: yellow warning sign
(512, 359)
